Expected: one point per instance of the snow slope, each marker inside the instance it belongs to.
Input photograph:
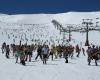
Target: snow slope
(76, 69)
(39, 26)
(65, 18)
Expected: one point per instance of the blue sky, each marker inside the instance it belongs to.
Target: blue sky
(47, 6)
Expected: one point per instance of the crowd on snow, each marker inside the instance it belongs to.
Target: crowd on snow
(23, 53)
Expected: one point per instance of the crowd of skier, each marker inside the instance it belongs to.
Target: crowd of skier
(23, 53)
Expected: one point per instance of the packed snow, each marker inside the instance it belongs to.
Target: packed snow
(38, 28)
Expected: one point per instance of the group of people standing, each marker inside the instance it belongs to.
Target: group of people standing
(93, 53)
(25, 52)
